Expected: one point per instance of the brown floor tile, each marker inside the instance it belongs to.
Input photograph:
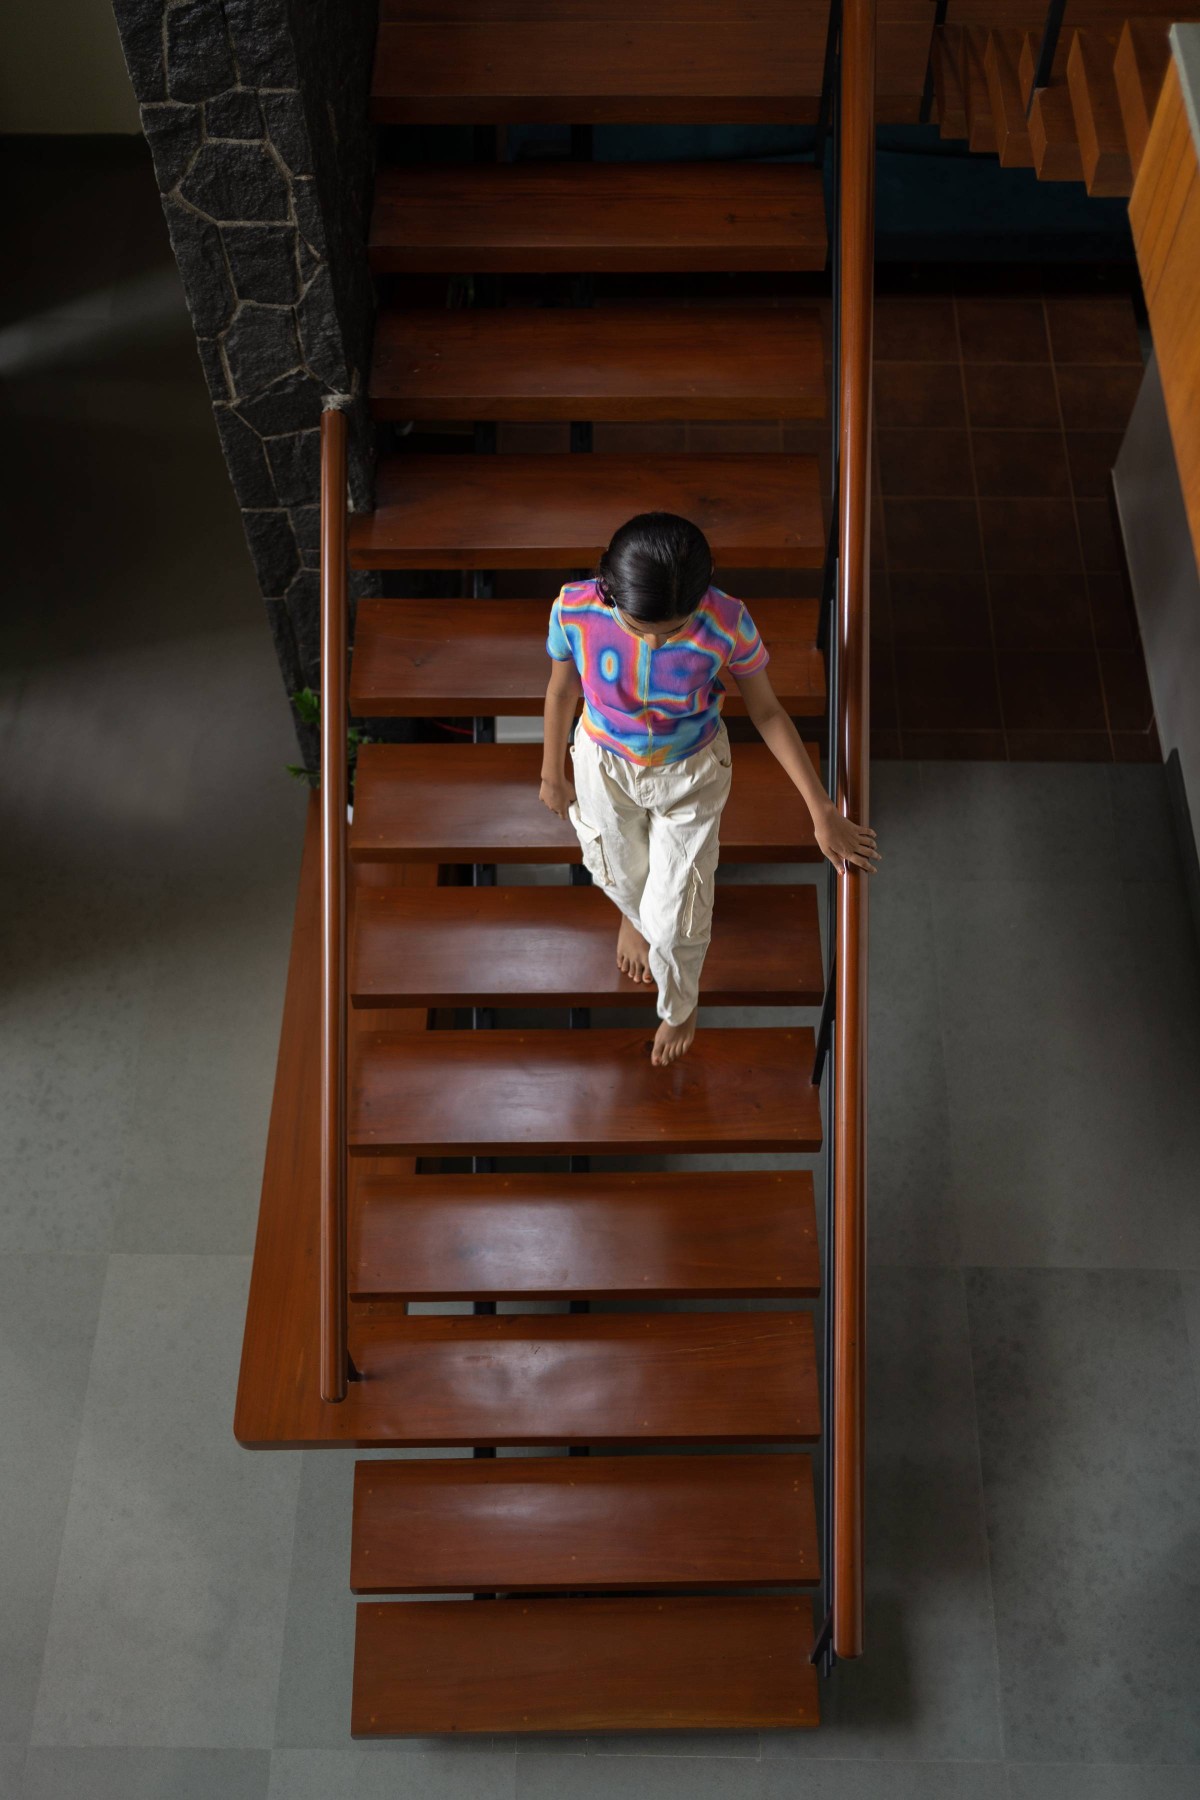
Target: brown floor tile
(1114, 616)
(1020, 463)
(1098, 535)
(932, 534)
(1041, 609)
(884, 713)
(1093, 328)
(1051, 690)
(1002, 330)
(1059, 746)
(924, 462)
(908, 329)
(945, 609)
(1127, 690)
(885, 746)
(1029, 534)
(918, 394)
(1137, 746)
(881, 607)
(1012, 395)
(1091, 456)
(946, 690)
(1097, 398)
(955, 746)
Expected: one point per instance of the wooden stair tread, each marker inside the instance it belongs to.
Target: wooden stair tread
(596, 1378)
(733, 361)
(537, 1524)
(479, 803)
(417, 658)
(1002, 65)
(425, 1667)
(579, 216)
(615, 1235)
(1099, 126)
(542, 510)
(1140, 66)
(556, 946)
(599, 64)
(496, 1093)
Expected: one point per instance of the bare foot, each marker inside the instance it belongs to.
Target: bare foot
(633, 952)
(673, 1041)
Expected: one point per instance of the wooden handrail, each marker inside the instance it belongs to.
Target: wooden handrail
(334, 1350)
(856, 306)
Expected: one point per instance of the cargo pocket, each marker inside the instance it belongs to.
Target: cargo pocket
(591, 843)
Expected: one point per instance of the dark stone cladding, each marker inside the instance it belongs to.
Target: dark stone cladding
(256, 116)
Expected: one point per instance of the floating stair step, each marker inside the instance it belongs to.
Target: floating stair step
(948, 90)
(423, 658)
(981, 126)
(1099, 126)
(1140, 68)
(735, 361)
(596, 1378)
(547, 1092)
(572, 217)
(479, 803)
(618, 1235)
(556, 946)
(537, 1524)
(1052, 135)
(424, 1667)
(1001, 63)
(607, 62)
(546, 511)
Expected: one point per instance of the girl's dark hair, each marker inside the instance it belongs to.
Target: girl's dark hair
(658, 566)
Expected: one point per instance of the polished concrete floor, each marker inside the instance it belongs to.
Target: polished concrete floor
(174, 1617)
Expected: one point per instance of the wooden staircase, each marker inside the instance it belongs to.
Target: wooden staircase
(1089, 123)
(634, 1588)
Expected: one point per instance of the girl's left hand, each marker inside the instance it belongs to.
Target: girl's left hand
(842, 841)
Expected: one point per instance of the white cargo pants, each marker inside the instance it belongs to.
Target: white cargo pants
(650, 839)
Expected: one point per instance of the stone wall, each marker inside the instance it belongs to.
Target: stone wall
(256, 116)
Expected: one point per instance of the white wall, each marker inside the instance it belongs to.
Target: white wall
(61, 68)
(1166, 583)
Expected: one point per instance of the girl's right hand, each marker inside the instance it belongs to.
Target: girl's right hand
(557, 794)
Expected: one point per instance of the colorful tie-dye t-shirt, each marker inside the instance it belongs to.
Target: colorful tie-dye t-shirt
(653, 706)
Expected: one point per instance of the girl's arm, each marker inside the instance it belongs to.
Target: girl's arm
(562, 697)
(839, 838)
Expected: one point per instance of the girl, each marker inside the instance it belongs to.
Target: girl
(645, 643)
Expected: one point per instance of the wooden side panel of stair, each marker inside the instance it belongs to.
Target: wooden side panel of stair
(1052, 135)
(621, 1235)
(540, 1524)
(1002, 65)
(556, 946)
(1099, 126)
(572, 217)
(592, 1665)
(981, 126)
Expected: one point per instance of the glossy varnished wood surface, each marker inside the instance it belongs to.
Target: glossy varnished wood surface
(576, 216)
(504, 1092)
(593, 1665)
(505, 946)
(479, 803)
(530, 510)
(1099, 127)
(414, 658)
(1002, 60)
(1140, 67)
(611, 1235)
(596, 1378)
(735, 361)
(534, 1524)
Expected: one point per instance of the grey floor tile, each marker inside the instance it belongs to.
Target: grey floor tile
(1091, 1461)
(1191, 1304)
(665, 1777)
(449, 1773)
(167, 1623)
(984, 821)
(126, 1774)
(926, 1690)
(887, 1781)
(1101, 1781)
(49, 1306)
(737, 1745)
(1147, 845)
(11, 1764)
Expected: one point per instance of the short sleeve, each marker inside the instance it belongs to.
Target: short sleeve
(749, 653)
(557, 644)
